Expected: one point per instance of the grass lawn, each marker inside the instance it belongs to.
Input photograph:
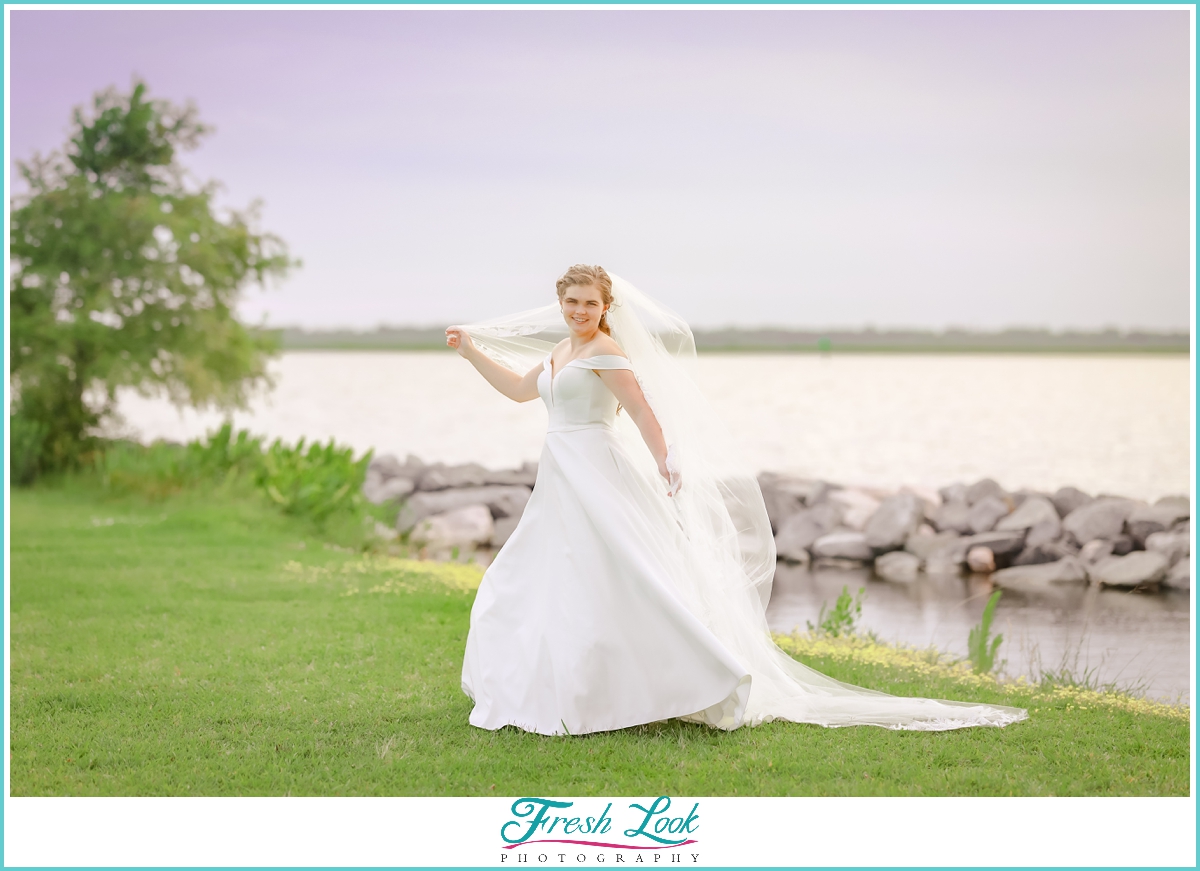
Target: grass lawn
(206, 644)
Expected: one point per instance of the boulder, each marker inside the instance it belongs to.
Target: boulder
(803, 528)
(1148, 519)
(387, 466)
(1140, 568)
(849, 545)
(984, 489)
(1100, 518)
(897, 565)
(1067, 499)
(952, 516)
(503, 530)
(377, 489)
(1184, 526)
(785, 495)
(986, 512)
(465, 527)
(1067, 570)
(1173, 545)
(856, 506)
(1004, 543)
(526, 475)
(1034, 509)
(956, 492)
(1179, 576)
(893, 522)
(1043, 552)
(981, 559)
(1095, 550)
(1044, 531)
(921, 546)
(502, 500)
(442, 477)
(1182, 504)
(1123, 544)
(949, 558)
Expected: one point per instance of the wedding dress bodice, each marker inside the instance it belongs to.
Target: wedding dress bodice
(575, 396)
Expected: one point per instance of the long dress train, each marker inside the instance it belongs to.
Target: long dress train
(588, 619)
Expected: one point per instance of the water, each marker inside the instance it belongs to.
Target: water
(1115, 424)
(1137, 641)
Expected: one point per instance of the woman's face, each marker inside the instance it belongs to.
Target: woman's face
(582, 307)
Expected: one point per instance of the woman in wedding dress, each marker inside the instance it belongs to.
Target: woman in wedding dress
(634, 587)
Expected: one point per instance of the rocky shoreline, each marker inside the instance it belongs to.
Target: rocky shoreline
(1023, 540)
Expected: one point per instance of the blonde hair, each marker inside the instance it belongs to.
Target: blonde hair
(582, 275)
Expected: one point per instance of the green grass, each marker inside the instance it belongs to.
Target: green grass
(206, 644)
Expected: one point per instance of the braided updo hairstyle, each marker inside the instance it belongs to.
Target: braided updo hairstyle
(581, 275)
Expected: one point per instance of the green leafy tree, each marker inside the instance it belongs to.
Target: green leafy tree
(123, 274)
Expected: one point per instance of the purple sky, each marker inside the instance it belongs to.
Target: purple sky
(792, 167)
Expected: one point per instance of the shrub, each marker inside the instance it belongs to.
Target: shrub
(841, 620)
(980, 649)
(312, 482)
(25, 437)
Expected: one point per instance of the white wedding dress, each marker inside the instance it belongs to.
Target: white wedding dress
(612, 604)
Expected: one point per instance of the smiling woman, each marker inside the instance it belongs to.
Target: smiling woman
(620, 600)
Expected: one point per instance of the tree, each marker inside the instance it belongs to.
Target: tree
(122, 275)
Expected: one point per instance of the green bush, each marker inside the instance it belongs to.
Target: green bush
(313, 482)
(26, 437)
(842, 619)
(982, 650)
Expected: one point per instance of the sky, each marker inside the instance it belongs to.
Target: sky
(785, 167)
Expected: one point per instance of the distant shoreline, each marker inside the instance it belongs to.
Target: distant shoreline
(1012, 341)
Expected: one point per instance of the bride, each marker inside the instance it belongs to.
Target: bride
(634, 587)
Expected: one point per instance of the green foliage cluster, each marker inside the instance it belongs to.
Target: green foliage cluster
(981, 649)
(843, 617)
(124, 275)
(313, 481)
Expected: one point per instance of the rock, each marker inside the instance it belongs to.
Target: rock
(1140, 568)
(981, 559)
(1148, 519)
(1043, 552)
(1094, 550)
(503, 529)
(984, 513)
(952, 517)
(984, 489)
(442, 477)
(1067, 499)
(526, 475)
(785, 496)
(1044, 531)
(803, 528)
(1100, 518)
(1067, 570)
(851, 545)
(897, 565)
(1034, 509)
(1123, 544)
(921, 546)
(1184, 526)
(893, 522)
(1173, 545)
(465, 527)
(1180, 575)
(949, 558)
(956, 492)
(1002, 543)
(856, 506)
(502, 500)
(377, 490)
(387, 466)
(1181, 503)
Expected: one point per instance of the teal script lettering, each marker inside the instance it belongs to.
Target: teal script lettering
(524, 808)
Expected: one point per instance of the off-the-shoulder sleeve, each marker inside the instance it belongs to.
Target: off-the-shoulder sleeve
(602, 361)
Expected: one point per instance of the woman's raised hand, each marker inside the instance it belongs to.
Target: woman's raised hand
(460, 340)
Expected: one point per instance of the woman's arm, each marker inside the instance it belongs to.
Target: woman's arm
(625, 387)
(516, 387)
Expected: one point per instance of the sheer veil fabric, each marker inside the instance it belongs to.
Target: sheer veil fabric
(714, 535)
